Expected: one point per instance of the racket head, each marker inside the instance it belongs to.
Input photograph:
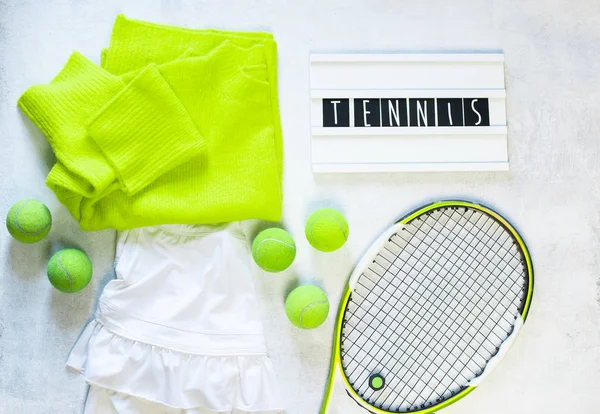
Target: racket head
(369, 401)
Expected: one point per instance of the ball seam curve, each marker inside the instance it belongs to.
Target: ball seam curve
(27, 233)
(262, 265)
(66, 273)
(308, 307)
(311, 223)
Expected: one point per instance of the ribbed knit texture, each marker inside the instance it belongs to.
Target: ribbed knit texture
(61, 110)
(145, 131)
(178, 126)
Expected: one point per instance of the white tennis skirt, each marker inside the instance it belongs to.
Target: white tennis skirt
(178, 330)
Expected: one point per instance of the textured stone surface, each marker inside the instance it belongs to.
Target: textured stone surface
(551, 193)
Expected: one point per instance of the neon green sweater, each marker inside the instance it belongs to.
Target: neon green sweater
(177, 126)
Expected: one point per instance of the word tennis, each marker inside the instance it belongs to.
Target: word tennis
(406, 112)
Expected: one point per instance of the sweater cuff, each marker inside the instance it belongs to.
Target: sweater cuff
(77, 92)
(145, 131)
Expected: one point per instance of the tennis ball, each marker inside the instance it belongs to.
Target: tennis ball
(326, 230)
(69, 270)
(307, 307)
(273, 250)
(29, 221)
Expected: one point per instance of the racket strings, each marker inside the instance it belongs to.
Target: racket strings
(501, 232)
(409, 345)
(474, 372)
(409, 368)
(498, 229)
(433, 259)
(378, 274)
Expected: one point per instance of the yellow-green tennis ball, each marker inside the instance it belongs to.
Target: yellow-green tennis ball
(307, 307)
(69, 270)
(29, 221)
(273, 250)
(327, 230)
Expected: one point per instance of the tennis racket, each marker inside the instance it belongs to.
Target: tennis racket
(429, 311)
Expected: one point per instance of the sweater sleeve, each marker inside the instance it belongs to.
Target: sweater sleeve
(61, 109)
(145, 131)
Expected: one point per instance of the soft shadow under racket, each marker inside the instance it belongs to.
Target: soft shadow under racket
(430, 310)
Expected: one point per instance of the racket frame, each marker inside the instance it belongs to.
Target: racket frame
(336, 360)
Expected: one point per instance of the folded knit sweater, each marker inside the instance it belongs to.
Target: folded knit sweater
(177, 126)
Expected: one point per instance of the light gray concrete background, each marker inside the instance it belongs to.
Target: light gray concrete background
(551, 193)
